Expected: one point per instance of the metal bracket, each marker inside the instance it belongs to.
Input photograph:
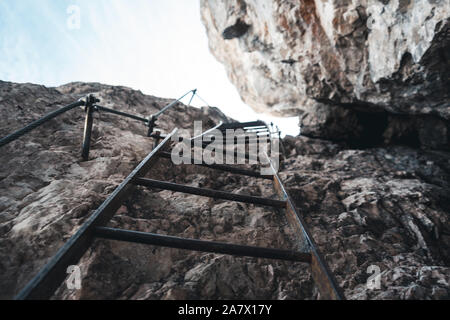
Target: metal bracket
(89, 108)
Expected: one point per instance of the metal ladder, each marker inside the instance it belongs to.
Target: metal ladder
(48, 280)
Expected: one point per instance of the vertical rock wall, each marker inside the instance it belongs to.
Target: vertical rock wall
(332, 62)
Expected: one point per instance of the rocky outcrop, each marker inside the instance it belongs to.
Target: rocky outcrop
(369, 72)
(46, 190)
(382, 207)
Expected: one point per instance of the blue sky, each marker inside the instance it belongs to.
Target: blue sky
(156, 46)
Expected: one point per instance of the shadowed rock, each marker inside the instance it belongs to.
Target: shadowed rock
(235, 31)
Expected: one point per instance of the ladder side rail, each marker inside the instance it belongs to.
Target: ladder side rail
(322, 275)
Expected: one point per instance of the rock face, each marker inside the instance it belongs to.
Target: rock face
(383, 208)
(368, 71)
(46, 191)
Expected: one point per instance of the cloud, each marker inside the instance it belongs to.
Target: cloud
(159, 47)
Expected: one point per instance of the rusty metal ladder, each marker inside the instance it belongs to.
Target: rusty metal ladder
(51, 276)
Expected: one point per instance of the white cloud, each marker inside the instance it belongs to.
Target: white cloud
(157, 46)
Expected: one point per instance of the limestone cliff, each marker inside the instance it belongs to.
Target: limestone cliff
(370, 72)
(386, 207)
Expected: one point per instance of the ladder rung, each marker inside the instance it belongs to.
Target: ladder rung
(239, 125)
(200, 245)
(264, 134)
(162, 136)
(221, 167)
(260, 128)
(50, 277)
(259, 133)
(209, 193)
(235, 153)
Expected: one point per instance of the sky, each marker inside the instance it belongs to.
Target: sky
(157, 46)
